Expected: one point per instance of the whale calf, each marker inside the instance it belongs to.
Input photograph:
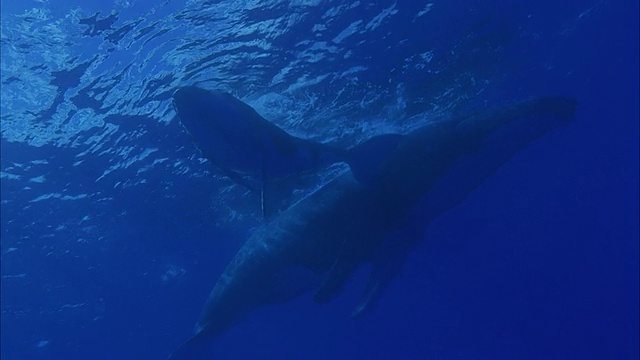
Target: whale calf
(345, 224)
(251, 150)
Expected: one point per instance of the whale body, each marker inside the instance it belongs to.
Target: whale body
(346, 224)
(246, 146)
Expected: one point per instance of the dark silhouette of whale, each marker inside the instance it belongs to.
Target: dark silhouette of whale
(324, 238)
(253, 151)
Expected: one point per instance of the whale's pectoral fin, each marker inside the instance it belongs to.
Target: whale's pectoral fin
(370, 296)
(335, 280)
(387, 264)
(382, 273)
(197, 347)
(379, 279)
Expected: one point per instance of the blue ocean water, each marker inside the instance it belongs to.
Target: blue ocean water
(114, 228)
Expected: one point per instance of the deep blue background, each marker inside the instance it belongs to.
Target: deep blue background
(540, 262)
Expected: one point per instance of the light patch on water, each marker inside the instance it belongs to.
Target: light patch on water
(42, 343)
(272, 106)
(376, 21)
(9, 176)
(14, 276)
(280, 76)
(427, 56)
(58, 196)
(124, 152)
(36, 14)
(38, 179)
(71, 306)
(353, 70)
(84, 119)
(304, 3)
(426, 9)
(149, 167)
(173, 272)
(83, 241)
(11, 249)
(303, 82)
(319, 28)
(350, 30)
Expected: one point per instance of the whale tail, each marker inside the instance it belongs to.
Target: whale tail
(198, 347)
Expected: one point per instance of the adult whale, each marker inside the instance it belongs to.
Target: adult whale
(345, 224)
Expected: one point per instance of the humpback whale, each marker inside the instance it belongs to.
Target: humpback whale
(251, 150)
(346, 224)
